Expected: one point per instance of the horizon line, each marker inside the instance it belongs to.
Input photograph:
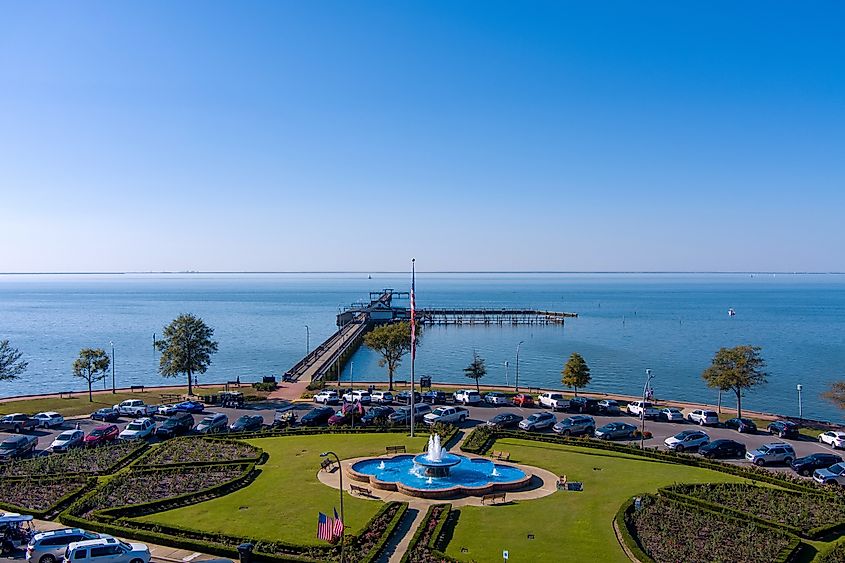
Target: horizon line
(183, 272)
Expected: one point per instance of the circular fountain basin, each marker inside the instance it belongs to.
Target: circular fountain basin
(467, 476)
(437, 467)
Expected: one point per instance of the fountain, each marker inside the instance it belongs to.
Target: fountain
(381, 465)
(435, 462)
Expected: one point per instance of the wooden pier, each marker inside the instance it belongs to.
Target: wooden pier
(437, 316)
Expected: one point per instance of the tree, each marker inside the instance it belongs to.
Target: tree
(836, 394)
(736, 369)
(392, 341)
(92, 365)
(11, 364)
(476, 370)
(186, 348)
(576, 372)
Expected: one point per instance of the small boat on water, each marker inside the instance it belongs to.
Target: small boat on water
(731, 312)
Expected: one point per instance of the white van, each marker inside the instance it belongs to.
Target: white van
(106, 550)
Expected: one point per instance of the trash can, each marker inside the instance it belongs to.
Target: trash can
(245, 552)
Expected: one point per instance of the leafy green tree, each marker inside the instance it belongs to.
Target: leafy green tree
(736, 369)
(392, 341)
(836, 394)
(186, 348)
(576, 372)
(92, 365)
(476, 369)
(11, 364)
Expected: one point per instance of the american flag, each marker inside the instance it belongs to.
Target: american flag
(324, 528)
(337, 526)
(413, 316)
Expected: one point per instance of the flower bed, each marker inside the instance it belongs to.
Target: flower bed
(39, 496)
(99, 460)
(669, 531)
(422, 548)
(802, 512)
(191, 451)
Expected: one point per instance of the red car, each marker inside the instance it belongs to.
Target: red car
(102, 434)
(523, 400)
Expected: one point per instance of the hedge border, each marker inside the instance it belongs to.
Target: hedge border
(415, 539)
(119, 464)
(86, 485)
(379, 546)
(254, 459)
(629, 538)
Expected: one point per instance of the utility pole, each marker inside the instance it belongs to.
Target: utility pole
(516, 384)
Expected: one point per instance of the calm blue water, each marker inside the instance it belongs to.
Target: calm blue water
(468, 472)
(628, 322)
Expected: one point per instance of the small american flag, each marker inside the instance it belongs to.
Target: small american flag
(337, 526)
(324, 527)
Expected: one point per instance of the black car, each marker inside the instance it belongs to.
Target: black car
(505, 420)
(434, 397)
(741, 425)
(583, 405)
(17, 446)
(179, 423)
(405, 397)
(317, 416)
(806, 465)
(783, 429)
(722, 448)
(247, 423)
(106, 415)
(377, 413)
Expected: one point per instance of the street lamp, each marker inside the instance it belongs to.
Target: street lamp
(507, 365)
(352, 385)
(112, 367)
(648, 378)
(307, 340)
(516, 384)
(342, 519)
(800, 409)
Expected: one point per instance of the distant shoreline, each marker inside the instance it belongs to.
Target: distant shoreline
(397, 272)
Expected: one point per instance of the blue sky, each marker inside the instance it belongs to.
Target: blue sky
(471, 135)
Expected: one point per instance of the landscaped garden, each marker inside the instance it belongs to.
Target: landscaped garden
(102, 459)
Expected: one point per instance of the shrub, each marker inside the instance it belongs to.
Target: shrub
(265, 387)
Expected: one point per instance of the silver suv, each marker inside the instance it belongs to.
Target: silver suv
(49, 547)
(577, 424)
(776, 452)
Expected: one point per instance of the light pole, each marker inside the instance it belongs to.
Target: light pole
(342, 519)
(352, 385)
(307, 340)
(112, 366)
(516, 384)
(800, 409)
(648, 378)
(507, 365)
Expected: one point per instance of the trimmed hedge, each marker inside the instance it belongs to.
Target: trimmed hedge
(628, 535)
(429, 552)
(83, 486)
(162, 451)
(835, 555)
(41, 466)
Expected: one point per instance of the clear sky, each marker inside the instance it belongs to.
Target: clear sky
(139, 136)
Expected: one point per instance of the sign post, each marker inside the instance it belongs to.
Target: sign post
(505, 555)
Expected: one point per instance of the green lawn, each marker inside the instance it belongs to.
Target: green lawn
(283, 502)
(567, 526)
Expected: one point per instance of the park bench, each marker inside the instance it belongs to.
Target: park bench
(137, 388)
(171, 397)
(364, 491)
(492, 498)
(395, 449)
(65, 394)
(501, 456)
(327, 465)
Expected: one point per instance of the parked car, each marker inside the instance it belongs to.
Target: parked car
(808, 464)
(17, 423)
(377, 413)
(49, 419)
(538, 421)
(67, 440)
(467, 397)
(108, 550)
(833, 438)
(358, 396)
(496, 398)
(608, 407)
(381, 397)
(505, 420)
(615, 430)
(346, 414)
(402, 415)
(247, 423)
(583, 405)
(641, 409)
(102, 434)
(771, 453)
(722, 449)
(523, 400)
(317, 416)
(449, 415)
(134, 407)
(138, 429)
(434, 397)
(15, 447)
(404, 397)
(166, 410)
(577, 424)
(554, 401)
(193, 407)
(327, 397)
(703, 417)
(106, 415)
(670, 414)
(783, 429)
(49, 547)
(833, 475)
(686, 440)
(212, 424)
(741, 425)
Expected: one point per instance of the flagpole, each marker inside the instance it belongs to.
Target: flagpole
(413, 342)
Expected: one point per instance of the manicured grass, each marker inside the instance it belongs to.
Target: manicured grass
(283, 502)
(567, 526)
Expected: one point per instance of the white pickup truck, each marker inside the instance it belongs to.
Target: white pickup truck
(447, 415)
(554, 401)
(135, 407)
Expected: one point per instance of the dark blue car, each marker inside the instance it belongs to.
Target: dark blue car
(106, 415)
(194, 407)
